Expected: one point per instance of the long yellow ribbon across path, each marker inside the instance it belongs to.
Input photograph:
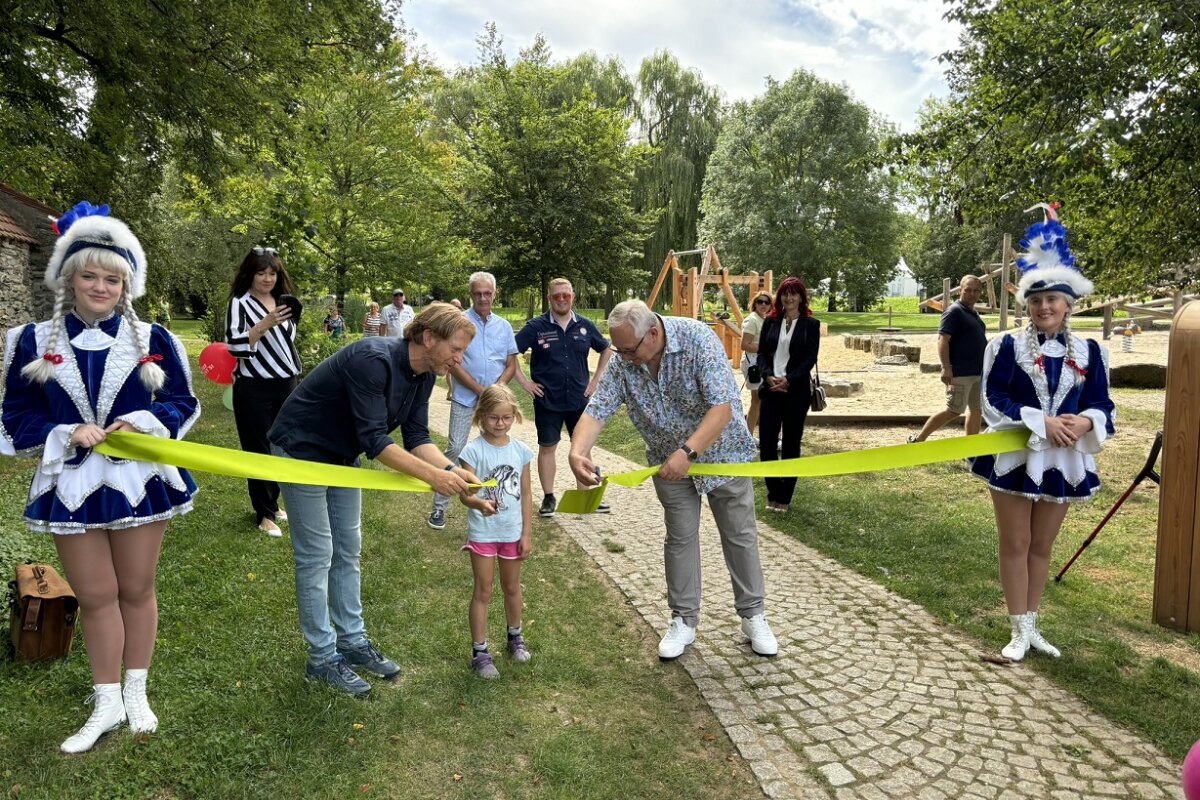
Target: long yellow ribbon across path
(222, 461)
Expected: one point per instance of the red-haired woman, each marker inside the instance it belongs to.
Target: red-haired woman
(787, 354)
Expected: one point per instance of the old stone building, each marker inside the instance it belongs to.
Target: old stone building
(26, 241)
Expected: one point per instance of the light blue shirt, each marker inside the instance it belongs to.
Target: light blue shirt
(504, 464)
(693, 376)
(487, 354)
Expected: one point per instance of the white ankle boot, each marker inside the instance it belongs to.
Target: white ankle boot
(1018, 645)
(107, 713)
(1036, 640)
(137, 707)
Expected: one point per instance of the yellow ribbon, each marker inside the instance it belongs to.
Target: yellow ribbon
(223, 461)
(874, 459)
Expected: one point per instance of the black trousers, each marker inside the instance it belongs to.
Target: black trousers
(786, 412)
(256, 403)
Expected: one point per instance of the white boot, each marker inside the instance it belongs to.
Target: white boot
(137, 707)
(1036, 640)
(1018, 645)
(107, 713)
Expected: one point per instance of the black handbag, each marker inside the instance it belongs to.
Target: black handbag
(754, 374)
(817, 401)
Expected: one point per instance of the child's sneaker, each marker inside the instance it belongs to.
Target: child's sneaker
(482, 665)
(517, 649)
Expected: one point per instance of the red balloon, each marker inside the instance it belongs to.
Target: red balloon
(217, 364)
(1191, 773)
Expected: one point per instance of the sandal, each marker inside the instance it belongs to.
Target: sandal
(270, 528)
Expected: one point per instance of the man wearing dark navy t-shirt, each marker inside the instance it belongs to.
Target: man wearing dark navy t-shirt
(962, 338)
(561, 384)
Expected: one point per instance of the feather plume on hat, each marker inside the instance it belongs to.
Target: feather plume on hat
(1048, 265)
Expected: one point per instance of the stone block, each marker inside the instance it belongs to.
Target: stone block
(1138, 376)
(894, 360)
(910, 351)
(879, 344)
(927, 368)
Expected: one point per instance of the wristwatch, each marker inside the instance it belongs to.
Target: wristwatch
(691, 454)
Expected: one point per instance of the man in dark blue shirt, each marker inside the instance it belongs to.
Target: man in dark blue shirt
(561, 341)
(345, 408)
(962, 338)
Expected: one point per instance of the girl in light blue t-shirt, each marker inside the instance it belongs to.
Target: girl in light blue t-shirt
(506, 535)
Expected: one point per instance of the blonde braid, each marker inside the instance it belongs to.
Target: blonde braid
(42, 370)
(151, 374)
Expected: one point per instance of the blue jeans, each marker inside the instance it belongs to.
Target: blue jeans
(460, 431)
(326, 531)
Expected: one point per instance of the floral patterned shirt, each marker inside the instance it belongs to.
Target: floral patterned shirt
(694, 376)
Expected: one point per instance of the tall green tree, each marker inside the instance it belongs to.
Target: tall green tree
(678, 116)
(550, 170)
(95, 97)
(791, 187)
(1089, 102)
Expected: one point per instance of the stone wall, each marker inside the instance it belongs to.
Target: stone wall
(35, 219)
(18, 305)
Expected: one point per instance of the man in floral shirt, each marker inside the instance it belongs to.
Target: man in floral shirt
(674, 378)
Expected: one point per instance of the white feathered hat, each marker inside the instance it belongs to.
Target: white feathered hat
(86, 226)
(1048, 265)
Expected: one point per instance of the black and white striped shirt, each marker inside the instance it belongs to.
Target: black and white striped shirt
(275, 354)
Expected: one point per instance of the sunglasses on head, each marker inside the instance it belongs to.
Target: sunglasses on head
(261, 251)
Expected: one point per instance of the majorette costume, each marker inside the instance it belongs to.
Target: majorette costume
(1027, 377)
(96, 374)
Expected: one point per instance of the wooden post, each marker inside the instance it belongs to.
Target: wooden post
(1005, 258)
(945, 293)
(1177, 561)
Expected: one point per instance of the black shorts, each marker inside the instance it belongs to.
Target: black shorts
(549, 424)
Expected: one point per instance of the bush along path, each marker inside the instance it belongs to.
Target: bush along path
(870, 696)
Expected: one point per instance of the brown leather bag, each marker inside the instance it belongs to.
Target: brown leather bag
(44, 612)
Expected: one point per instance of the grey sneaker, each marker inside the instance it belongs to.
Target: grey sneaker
(549, 504)
(482, 666)
(517, 649)
(337, 673)
(437, 519)
(367, 656)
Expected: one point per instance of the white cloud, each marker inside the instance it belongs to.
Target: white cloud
(884, 50)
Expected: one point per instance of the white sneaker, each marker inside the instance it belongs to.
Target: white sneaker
(107, 713)
(679, 636)
(1018, 645)
(762, 640)
(137, 707)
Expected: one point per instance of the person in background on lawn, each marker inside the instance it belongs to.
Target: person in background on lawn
(962, 338)
(396, 316)
(92, 369)
(506, 533)
(751, 330)
(674, 379)
(787, 355)
(1054, 384)
(335, 323)
(372, 324)
(346, 407)
(561, 381)
(491, 358)
(261, 335)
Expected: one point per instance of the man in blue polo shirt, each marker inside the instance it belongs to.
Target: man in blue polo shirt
(561, 341)
(962, 338)
(490, 358)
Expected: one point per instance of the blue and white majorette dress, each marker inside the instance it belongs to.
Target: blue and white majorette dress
(75, 489)
(1020, 389)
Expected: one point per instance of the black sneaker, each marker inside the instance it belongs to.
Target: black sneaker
(337, 673)
(437, 519)
(549, 504)
(367, 656)
(603, 508)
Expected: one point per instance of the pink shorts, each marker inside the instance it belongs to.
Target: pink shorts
(506, 550)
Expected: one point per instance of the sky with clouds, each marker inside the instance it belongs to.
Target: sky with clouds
(885, 51)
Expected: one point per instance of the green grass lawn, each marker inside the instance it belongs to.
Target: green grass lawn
(594, 714)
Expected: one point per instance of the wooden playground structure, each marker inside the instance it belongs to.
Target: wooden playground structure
(687, 293)
(1000, 292)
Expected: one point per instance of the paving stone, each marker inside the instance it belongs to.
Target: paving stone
(836, 774)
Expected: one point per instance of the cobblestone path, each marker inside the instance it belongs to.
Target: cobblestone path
(869, 697)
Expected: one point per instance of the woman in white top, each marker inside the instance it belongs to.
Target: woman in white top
(751, 328)
(373, 321)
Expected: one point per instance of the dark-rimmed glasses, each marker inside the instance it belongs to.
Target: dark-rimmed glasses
(629, 352)
(264, 251)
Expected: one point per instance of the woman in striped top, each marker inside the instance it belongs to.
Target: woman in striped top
(373, 321)
(262, 337)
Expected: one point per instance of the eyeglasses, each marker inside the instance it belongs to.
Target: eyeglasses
(562, 296)
(762, 301)
(625, 353)
(260, 250)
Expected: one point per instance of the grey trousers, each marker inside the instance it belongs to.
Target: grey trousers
(460, 431)
(732, 505)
